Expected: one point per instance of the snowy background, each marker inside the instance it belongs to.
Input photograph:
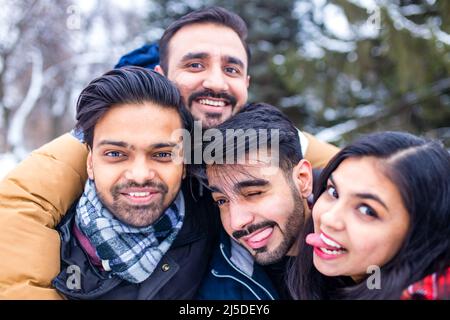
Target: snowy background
(337, 68)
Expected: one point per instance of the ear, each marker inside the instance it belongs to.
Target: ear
(303, 177)
(89, 165)
(184, 172)
(248, 81)
(159, 70)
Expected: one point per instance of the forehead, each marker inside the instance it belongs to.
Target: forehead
(364, 175)
(139, 124)
(351, 168)
(227, 178)
(210, 38)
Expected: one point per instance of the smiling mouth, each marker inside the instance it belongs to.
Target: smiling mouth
(324, 246)
(140, 197)
(211, 105)
(333, 247)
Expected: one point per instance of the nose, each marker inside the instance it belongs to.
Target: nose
(215, 80)
(240, 216)
(333, 218)
(140, 171)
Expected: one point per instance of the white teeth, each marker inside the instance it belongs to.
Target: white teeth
(333, 252)
(329, 241)
(139, 194)
(212, 103)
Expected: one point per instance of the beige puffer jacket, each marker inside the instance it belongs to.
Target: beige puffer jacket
(33, 198)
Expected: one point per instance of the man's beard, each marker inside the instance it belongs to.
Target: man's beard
(212, 119)
(136, 215)
(294, 223)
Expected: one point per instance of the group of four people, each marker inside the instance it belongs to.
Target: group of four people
(110, 211)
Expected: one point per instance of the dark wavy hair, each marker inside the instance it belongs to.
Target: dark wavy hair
(421, 171)
(122, 86)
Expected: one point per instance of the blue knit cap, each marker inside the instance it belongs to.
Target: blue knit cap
(146, 56)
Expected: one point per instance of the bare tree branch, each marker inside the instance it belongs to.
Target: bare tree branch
(15, 131)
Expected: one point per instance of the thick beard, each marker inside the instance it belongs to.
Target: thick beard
(139, 215)
(295, 222)
(212, 120)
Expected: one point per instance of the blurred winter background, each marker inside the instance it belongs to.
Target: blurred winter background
(337, 68)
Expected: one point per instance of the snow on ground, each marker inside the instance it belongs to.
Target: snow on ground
(7, 162)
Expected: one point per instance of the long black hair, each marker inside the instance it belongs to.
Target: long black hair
(421, 171)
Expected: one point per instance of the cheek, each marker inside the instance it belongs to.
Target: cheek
(225, 218)
(320, 207)
(106, 176)
(186, 83)
(372, 246)
(276, 209)
(391, 244)
(240, 91)
(172, 177)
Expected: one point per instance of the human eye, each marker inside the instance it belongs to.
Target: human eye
(114, 154)
(220, 202)
(368, 211)
(163, 156)
(253, 193)
(331, 190)
(232, 70)
(195, 66)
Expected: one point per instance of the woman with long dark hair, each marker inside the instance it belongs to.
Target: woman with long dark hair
(380, 222)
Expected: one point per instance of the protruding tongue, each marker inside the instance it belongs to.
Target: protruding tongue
(313, 239)
(261, 235)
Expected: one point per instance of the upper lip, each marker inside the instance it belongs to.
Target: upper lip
(134, 190)
(326, 239)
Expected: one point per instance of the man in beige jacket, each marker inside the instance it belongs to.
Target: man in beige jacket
(211, 74)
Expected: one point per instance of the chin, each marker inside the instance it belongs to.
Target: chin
(267, 258)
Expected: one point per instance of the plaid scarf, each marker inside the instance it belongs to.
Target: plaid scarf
(131, 253)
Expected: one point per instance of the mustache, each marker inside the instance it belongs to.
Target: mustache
(211, 94)
(252, 228)
(161, 187)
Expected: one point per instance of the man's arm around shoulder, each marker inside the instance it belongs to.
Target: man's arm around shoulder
(33, 198)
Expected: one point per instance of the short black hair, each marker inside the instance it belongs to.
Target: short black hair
(123, 86)
(260, 117)
(214, 14)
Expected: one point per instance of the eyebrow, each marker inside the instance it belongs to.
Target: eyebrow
(250, 183)
(162, 145)
(194, 55)
(242, 185)
(121, 144)
(332, 180)
(204, 55)
(372, 197)
(364, 195)
(234, 60)
(125, 145)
